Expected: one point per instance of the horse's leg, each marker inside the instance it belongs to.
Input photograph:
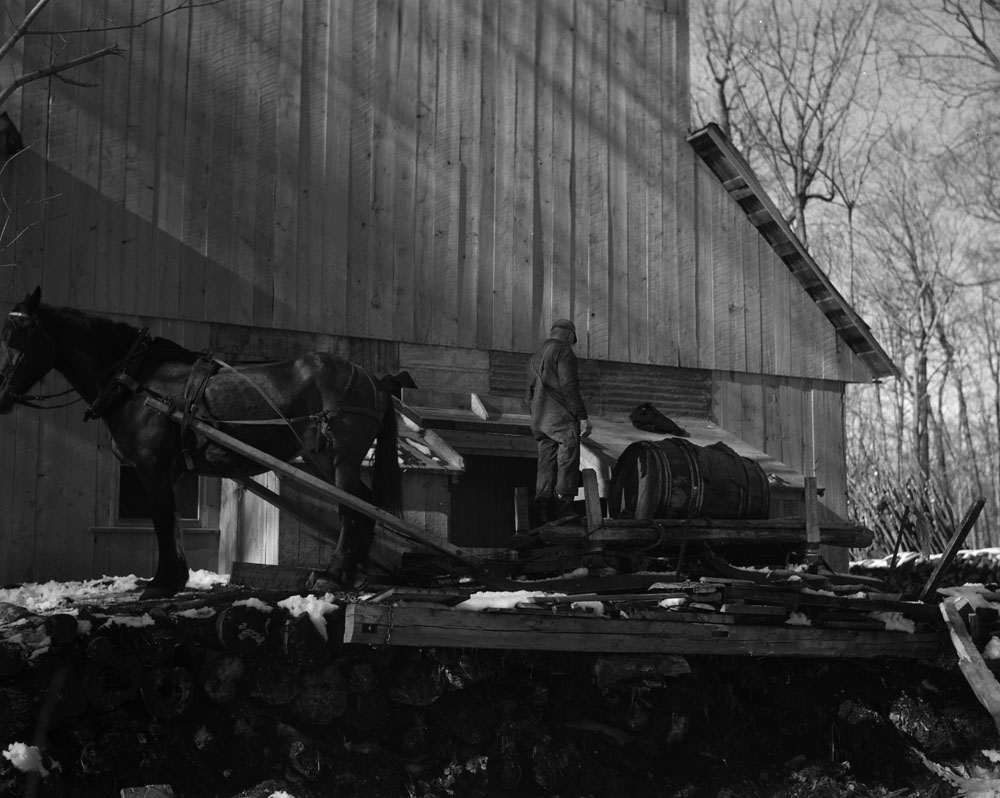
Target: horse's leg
(356, 529)
(171, 568)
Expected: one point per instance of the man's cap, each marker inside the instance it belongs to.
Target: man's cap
(566, 324)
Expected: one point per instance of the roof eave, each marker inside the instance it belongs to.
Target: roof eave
(739, 180)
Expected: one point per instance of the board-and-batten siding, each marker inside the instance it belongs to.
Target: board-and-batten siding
(449, 172)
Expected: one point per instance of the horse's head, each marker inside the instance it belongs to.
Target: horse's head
(26, 351)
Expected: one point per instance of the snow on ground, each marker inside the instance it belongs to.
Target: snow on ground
(48, 596)
(27, 759)
(904, 557)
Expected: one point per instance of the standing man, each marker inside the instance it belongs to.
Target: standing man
(558, 419)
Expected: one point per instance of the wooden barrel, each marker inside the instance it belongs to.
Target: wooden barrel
(674, 478)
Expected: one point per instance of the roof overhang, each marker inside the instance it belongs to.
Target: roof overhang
(500, 426)
(739, 180)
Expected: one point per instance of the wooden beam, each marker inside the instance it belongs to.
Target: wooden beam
(813, 533)
(325, 528)
(953, 547)
(669, 533)
(388, 520)
(373, 624)
(971, 662)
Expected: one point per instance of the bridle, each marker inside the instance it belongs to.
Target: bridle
(27, 324)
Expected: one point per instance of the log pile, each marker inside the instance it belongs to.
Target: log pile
(228, 693)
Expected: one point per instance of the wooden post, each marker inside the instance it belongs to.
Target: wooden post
(954, 545)
(812, 521)
(592, 500)
(522, 521)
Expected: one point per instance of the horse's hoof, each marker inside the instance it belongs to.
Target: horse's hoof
(155, 591)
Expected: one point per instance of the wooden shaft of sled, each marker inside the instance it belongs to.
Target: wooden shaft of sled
(388, 520)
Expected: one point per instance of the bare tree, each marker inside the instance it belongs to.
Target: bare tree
(791, 80)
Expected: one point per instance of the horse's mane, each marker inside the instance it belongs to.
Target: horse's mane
(119, 336)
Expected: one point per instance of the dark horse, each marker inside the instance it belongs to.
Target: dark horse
(319, 406)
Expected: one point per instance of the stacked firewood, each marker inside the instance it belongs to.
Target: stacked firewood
(232, 694)
(911, 571)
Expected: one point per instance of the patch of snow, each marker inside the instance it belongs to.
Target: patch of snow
(673, 602)
(255, 603)
(798, 619)
(993, 756)
(130, 621)
(47, 596)
(196, 613)
(205, 580)
(894, 622)
(501, 600)
(992, 649)
(281, 794)
(27, 759)
(314, 606)
(973, 592)
(595, 607)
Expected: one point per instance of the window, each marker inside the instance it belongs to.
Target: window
(196, 500)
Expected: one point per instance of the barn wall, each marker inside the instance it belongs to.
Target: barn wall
(449, 172)
(413, 184)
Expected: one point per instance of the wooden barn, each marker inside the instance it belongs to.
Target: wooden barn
(419, 186)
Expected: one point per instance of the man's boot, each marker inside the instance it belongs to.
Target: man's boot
(540, 512)
(564, 507)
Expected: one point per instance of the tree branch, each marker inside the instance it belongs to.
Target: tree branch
(55, 69)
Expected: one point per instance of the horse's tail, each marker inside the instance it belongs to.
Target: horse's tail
(386, 476)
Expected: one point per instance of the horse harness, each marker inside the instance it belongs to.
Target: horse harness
(204, 368)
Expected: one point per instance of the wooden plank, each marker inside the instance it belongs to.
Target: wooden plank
(219, 148)
(580, 198)
(546, 194)
(977, 673)
(426, 175)
(247, 89)
(637, 176)
(598, 307)
(560, 261)
(669, 532)
(656, 185)
(929, 590)
(427, 626)
(471, 109)
(620, 76)
(812, 520)
(441, 297)
(197, 185)
(523, 266)
(312, 207)
(267, 168)
(288, 104)
(675, 152)
(489, 168)
(337, 218)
